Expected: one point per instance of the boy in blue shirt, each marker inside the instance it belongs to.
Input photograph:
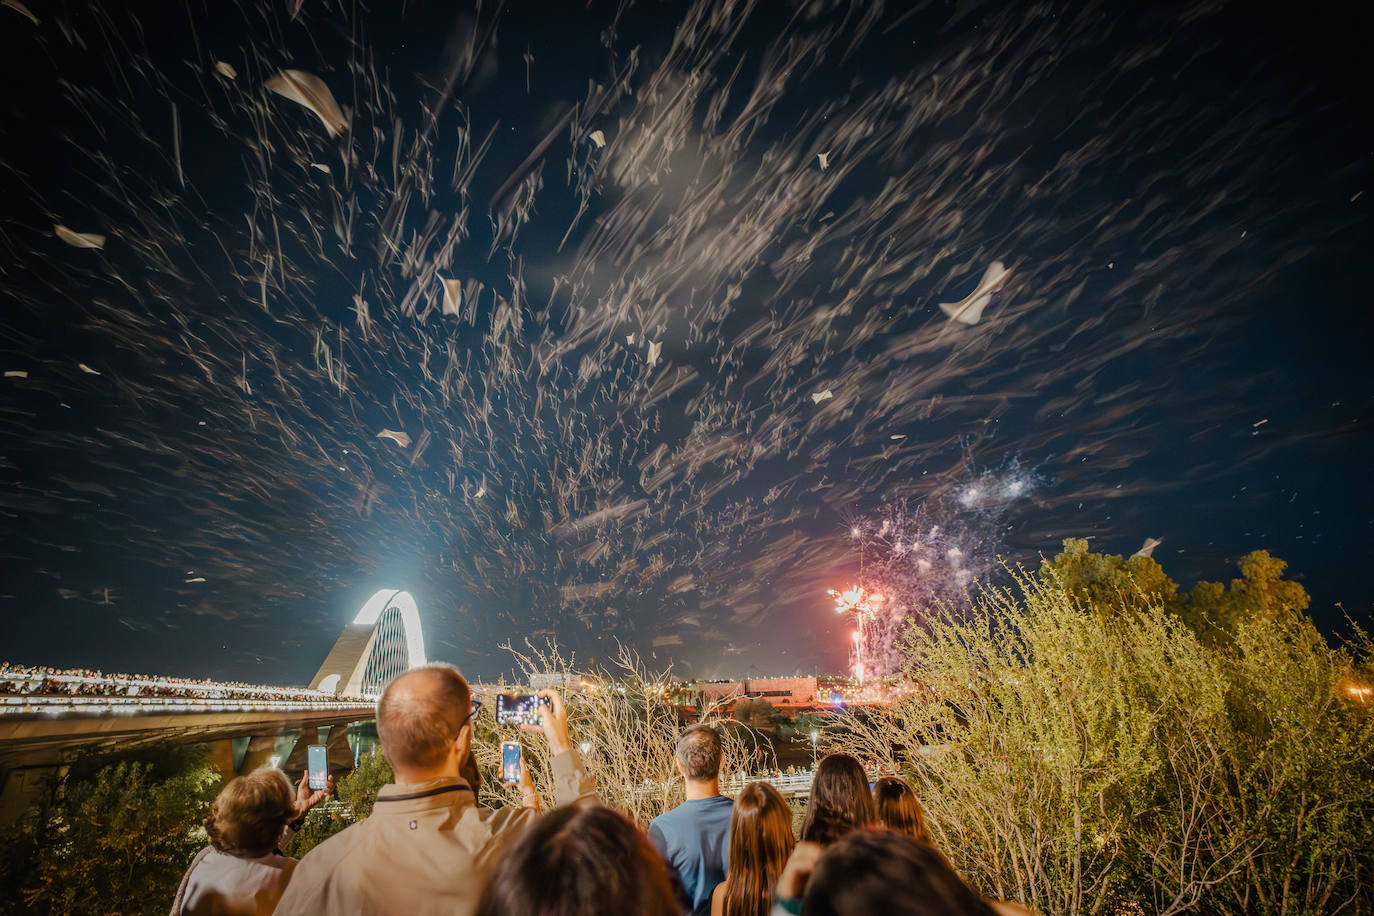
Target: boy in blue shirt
(694, 838)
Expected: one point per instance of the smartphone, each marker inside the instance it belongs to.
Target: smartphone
(317, 763)
(510, 762)
(519, 709)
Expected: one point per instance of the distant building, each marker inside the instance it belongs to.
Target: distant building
(782, 692)
(554, 680)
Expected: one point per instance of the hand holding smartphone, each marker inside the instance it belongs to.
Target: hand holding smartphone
(317, 764)
(520, 709)
(510, 762)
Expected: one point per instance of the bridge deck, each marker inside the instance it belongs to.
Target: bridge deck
(46, 721)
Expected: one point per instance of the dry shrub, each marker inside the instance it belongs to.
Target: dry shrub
(630, 727)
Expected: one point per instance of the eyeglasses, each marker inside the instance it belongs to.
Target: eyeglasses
(476, 708)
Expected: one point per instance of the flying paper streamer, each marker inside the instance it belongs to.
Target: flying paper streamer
(309, 90)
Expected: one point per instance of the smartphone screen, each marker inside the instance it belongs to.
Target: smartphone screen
(519, 709)
(510, 762)
(318, 764)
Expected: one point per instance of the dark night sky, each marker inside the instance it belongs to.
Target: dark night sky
(1181, 349)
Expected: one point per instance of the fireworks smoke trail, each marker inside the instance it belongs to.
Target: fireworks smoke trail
(558, 352)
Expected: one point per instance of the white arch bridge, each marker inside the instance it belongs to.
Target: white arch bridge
(48, 717)
(381, 642)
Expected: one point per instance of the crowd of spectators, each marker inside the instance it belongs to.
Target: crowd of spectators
(429, 847)
(23, 681)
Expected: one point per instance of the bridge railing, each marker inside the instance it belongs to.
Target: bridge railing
(48, 691)
(126, 705)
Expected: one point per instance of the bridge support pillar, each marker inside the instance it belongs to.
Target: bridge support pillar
(294, 763)
(222, 758)
(261, 750)
(22, 787)
(339, 753)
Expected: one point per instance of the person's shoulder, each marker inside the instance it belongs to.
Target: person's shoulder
(321, 868)
(718, 899)
(328, 853)
(480, 824)
(667, 817)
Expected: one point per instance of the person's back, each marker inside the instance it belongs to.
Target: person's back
(840, 800)
(422, 850)
(241, 873)
(427, 845)
(694, 837)
(897, 808)
(228, 885)
(760, 842)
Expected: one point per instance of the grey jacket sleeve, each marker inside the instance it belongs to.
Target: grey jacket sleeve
(571, 783)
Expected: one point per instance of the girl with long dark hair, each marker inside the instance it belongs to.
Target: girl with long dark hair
(760, 842)
(840, 800)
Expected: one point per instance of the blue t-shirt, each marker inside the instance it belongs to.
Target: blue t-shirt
(694, 839)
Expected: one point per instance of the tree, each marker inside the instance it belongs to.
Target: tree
(1111, 583)
(759, 715)
(114, 838)
(1114, 761)
(1261, 593)
(1104, 581)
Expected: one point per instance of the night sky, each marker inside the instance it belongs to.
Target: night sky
(693, 334)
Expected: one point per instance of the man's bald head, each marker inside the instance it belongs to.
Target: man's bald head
(420, 714)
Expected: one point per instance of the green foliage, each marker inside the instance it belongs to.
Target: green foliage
(1106, 581)
(1301, 790)
(759, 715)
(800, 727)
(1260, 592)
(110, 840)
(1115, 761)
(1111, 583)
(355, 795)
(358, 790)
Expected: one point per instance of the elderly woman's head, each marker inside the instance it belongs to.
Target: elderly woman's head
(248, 815)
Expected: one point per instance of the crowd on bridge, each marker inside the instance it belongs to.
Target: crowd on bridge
(42, 682)
(428, 847)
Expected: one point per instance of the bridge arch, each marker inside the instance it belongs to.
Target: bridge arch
(381, 642)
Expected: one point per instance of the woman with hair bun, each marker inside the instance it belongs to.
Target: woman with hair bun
(241, 872)
(898, 808)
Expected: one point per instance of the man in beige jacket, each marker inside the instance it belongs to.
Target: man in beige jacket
(427, 845)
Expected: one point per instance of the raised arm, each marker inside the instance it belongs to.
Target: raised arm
(571, 783)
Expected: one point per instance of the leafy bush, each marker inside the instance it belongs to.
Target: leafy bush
(355, 795)
(1104, 758)
(115, 840)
